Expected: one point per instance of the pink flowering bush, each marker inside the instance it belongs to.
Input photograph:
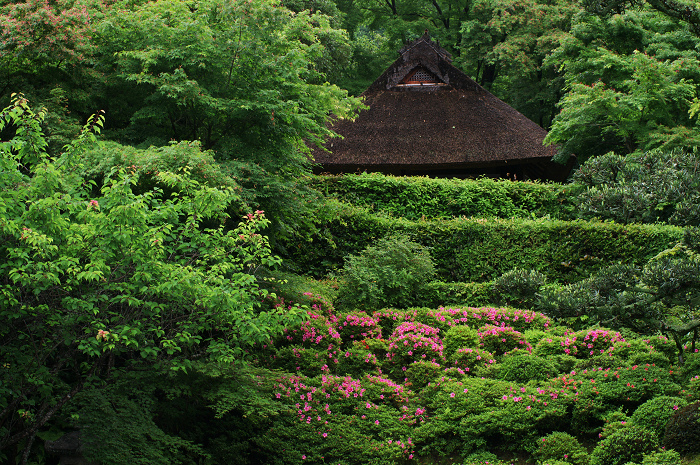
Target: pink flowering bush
(440, 318)
(413, 341)
(317, 331)
(501, 339)
(438, 389)
(595, 341)
(357, 360)
(356, 326)
(388, 318)
(582, 344)
(472, 361)
(486, 410)
(518, 319)
(596, 392)
(309, 361)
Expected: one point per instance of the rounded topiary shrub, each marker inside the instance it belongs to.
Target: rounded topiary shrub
(655, 413)
(560, 447)
(317, 331)
(472, 360)
(459, 337)
(501, 339)
(390, 274)
(307, 361)
(421, 372)
(628, 444)
(389, 318)
(662, 457)
(683, 430)
(691, 366)
(524, 367)
(357, 360)
(356, 326)
(413, 341)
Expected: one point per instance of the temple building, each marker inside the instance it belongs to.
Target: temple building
(426, 117)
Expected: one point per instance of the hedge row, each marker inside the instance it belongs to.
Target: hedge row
(414, 198)
(479, 250)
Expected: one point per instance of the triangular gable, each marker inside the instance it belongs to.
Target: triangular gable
(420, 76)
(426, 116)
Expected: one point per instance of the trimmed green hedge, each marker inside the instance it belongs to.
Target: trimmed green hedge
(438, 294)
(415, 198)
(479, 250)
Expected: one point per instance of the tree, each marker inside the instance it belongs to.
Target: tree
(662, 296)
(46, 52)
(94, 285)
(630, 84)
(651, 187)
(504, 46)
(242, 77)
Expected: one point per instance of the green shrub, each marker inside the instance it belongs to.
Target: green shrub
(118, 427)
(421, 372)
(481, 458)
(683, 430)
(422, 197)
(691, 367)
(501, 339)
(458, 337)
(518, 287)
(390, 274)
(561, 447)
(480, 250)
(662, 457)
(357, 361)
(627, 444)
(305, 360)
(655, 413)
(472, 360)
(524, 367)
(390, 318)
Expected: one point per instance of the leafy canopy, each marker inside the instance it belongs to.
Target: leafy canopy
(94, 284)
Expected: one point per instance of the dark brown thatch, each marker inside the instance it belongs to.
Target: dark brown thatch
(427, 117)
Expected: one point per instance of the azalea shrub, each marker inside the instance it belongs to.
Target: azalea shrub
(628, 444)
(562, 447)
(655, 413)
(422, 377)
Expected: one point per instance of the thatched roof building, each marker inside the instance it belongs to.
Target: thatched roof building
(427, 117)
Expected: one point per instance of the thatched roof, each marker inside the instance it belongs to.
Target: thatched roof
(426, 116)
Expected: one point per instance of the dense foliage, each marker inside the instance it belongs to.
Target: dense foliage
(97, 283)
(415, 320)
(481, 249)
(418, 198)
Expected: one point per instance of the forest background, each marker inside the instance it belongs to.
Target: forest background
(136, 135)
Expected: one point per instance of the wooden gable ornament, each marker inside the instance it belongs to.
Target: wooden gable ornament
(426, 117)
